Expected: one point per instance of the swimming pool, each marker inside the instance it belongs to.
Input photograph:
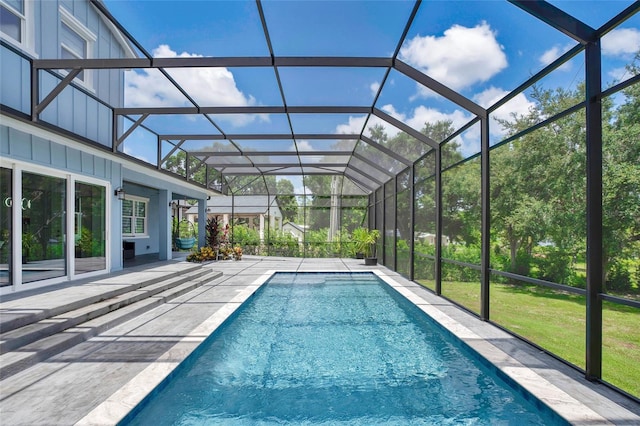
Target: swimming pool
(342, 348)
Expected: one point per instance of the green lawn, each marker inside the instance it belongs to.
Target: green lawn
(556, 321)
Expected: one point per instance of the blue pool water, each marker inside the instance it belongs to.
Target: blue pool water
(336, 349)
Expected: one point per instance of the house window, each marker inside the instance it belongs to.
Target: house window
(12, 20)
(76, 42)
(134, 217)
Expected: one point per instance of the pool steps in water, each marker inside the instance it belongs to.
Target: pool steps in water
(27, 338)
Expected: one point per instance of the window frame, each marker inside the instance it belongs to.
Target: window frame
(27, 29)
(71, 22)
(134, 216)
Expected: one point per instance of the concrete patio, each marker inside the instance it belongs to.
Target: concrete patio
(98, 381)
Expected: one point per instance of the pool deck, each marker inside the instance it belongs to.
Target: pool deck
(97, 382)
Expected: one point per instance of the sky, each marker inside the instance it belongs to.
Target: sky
(482, 49)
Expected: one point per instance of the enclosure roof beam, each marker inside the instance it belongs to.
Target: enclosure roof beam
(373, 164)
(558, 19)
(262, 136)
(257, 165)
(386, 150)
(439, 88)
(214, 62)
(269, 153)
(245, 110)
(407, 129)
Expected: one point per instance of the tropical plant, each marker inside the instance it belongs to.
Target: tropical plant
(213, 232)
(365, 241)
(205, 253)
(237, 252)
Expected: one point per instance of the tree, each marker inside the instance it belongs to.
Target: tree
(538, 186)
(177, 163)
(287, 200)
(621, 188)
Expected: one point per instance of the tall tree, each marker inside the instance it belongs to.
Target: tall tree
(621, 186)
(287, 200)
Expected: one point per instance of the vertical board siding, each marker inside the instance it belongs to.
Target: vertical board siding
(4, 140)
(34, 149)
(19, 144)
(58, 156)
(87, 163)
(41, 150)
(74, 160)
(15, 81)
(72, 110)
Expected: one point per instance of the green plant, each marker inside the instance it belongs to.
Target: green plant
(365, 241)
(202, 255)
(185, 229)
(28, 242)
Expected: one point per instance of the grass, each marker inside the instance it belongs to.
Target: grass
(555, 321)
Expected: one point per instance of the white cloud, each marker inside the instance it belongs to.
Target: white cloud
(422, 115)
(460, 58)
(374, 88)
(620, 42)
(207, 86)
(303, 145)
(554, 53)
(415, 119)
(619, 74)
(519, 105)
(354, 126)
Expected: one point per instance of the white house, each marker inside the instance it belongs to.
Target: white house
(295, 230)
(252, 210)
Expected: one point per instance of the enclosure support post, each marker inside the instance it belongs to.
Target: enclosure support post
(164, 227)
(383, 222)
(395, 224)
(595, 256)
(412, 220)
(202, 223)
(485, 260)
(437, 262)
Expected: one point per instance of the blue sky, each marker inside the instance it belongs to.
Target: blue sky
(482, 49)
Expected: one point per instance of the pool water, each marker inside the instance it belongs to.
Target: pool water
(336, 349)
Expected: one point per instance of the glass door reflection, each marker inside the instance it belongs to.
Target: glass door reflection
(89, 228)
(5, 226)
(43, 227)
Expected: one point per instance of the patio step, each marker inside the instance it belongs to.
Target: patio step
(27, 345)
(75, 297)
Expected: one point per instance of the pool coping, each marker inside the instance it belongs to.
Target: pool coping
(117, 406)
(546, 392)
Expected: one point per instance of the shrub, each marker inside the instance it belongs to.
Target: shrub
(205, 253)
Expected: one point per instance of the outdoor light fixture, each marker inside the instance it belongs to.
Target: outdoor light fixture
(119, 192)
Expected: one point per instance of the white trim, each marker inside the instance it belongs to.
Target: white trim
(76, 25)
(145, 233)
(18, 167)
(27, 28)
(83, 32)
(120, 38)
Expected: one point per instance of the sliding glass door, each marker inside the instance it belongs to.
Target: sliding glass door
(89, 228)
(43, 208)
(5, 226)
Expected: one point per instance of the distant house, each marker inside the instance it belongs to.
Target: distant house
(297, 231)
(428, 238)
(251, 210)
